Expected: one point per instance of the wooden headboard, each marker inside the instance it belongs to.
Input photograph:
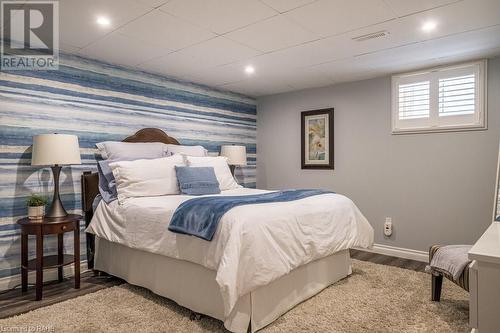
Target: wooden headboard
(90, 182)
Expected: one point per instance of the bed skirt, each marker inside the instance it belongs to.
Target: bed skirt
(194, 287)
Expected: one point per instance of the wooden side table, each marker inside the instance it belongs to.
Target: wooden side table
(40, 228)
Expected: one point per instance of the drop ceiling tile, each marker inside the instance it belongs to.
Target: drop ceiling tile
(258, 86)
(77, 18)
(331, 17)
(275, 80)
(120, 49)
(153, 3)
(173, 64)
(304, 78)
(397, 32)
(219, 16)
(164, 30)
(487, 53)
(272, 34)
(459, 17)
(219, 51)
(345, 69)
(303, 55)
(219, 75)
(405, 7)
(286, 5)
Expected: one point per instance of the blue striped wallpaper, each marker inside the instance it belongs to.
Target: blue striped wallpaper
(98, 102)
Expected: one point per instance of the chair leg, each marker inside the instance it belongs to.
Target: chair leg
(437, 283)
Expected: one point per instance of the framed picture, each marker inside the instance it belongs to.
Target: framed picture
(317, 139)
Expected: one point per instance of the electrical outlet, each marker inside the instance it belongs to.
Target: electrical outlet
(388, 226)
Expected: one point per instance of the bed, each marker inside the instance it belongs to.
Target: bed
(264, 259)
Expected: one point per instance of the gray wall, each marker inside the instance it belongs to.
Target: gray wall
(438, 188)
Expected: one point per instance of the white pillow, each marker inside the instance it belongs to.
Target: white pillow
(144, 178)
(199, 151)
(222, 171)
(129, 151)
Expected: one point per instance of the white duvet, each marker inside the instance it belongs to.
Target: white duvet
(254, 244)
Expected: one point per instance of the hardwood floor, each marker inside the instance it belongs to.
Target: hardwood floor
(13, 302)
(413, 265)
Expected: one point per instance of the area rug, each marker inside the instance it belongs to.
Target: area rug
(375, 298)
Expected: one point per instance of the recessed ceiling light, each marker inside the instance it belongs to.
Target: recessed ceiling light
(249, 69)
(429, 26)
(103, 21)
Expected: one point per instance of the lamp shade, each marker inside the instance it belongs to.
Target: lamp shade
(236, 155)
(51, 149)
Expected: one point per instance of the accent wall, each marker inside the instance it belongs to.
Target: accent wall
(100, 102)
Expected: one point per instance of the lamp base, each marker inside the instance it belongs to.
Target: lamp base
(56, 208)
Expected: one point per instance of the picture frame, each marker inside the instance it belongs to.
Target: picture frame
(317, 140)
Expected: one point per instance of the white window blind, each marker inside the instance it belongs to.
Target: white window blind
(440, 99)
(414, 100)
(457, 95)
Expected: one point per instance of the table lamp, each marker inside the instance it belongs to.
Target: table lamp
(55, 150)
(236, 155)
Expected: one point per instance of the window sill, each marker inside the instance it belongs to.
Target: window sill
(439, 130)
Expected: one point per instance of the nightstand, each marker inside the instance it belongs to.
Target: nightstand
(40, 228)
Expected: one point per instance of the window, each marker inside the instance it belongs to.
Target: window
(441, 99)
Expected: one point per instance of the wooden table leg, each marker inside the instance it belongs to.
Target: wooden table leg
(60, 247)
(24, 262)
(77, 254)
(39, 264)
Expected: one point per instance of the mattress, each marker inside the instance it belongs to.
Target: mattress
(254, 244)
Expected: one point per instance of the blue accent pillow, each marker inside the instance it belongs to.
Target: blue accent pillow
(197, 180)
(107, 182)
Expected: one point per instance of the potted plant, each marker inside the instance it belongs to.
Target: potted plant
(36, 207)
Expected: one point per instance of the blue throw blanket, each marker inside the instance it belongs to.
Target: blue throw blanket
(200, 216)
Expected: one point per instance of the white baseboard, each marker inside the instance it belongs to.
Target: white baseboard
(399, 252)
(10, 282)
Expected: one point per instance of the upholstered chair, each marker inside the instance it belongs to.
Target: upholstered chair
(437, 280)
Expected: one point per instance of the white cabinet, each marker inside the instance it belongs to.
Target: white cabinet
(473, 294)
(484, 282)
